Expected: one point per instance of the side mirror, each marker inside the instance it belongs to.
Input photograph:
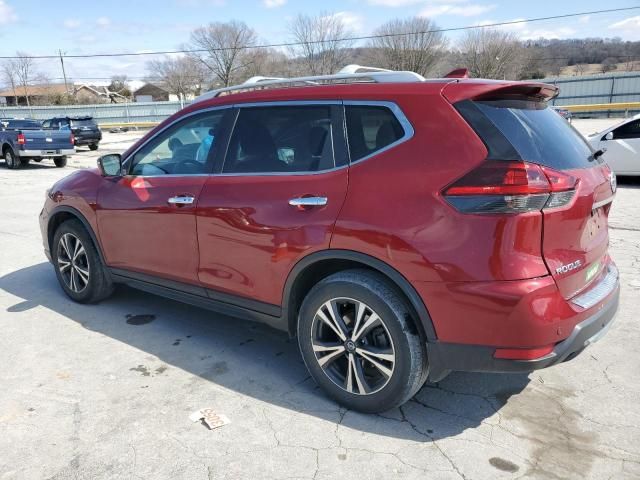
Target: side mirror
(608, 136)
(110, 165)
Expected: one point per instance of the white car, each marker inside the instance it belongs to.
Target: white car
(621, 144)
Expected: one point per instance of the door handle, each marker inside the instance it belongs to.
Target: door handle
(308, 201)
(181, 200)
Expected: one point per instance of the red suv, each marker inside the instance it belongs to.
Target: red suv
(402, 228)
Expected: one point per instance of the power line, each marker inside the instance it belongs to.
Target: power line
(366, 37)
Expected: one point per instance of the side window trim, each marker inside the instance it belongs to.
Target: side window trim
(126, 162)
(396, 111)
(340, 151)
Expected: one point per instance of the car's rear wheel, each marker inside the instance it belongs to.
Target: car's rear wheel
(11, 159)
(60, 161)
(80, 272)
(357, 342)
(93, 146)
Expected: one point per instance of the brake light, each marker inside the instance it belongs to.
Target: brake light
(510, 187)
(72, 139)
(21, 139)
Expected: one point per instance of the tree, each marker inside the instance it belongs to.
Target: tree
(580, 68)
(119, 86)
(322, 42)
(226, 48)
(492, 53)
(608, 64)
(182, 76)
(416, 53)
(9, 76)
(23, 65)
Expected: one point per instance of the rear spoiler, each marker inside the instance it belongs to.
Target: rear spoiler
(494, 90)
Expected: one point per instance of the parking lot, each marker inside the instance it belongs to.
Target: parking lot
(105, 391)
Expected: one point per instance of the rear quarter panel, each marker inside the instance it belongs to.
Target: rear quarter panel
(395, 212)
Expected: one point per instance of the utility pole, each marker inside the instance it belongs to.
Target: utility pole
(64, 74)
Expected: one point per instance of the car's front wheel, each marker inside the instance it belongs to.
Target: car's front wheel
(357, 342)
(80, 272)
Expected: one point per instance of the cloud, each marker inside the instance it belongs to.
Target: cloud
(525, 32)
(103, 21)
(394, 3)
(7, 14)
(273, 3)
(71, 23)
(462, 9)
(350, 20)
(584, 19)
(631, 23)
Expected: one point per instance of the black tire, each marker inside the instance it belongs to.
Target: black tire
(99, 285)
(406, 373)
(24, 162)
(60, 161)
(93, 146)
(11, 159)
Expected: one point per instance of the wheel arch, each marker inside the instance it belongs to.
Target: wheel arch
(312, 268)
(62, 214)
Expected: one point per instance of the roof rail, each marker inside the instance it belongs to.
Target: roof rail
(349, 74)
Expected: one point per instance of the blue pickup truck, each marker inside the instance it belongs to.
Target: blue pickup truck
(22, 140)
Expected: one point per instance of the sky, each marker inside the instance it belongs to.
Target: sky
(84, 27)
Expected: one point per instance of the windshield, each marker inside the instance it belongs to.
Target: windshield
(529, 130)
(21, 124)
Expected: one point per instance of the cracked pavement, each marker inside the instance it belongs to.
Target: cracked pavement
(89, 393)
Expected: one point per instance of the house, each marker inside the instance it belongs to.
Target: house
(150, 92)
(38, 94)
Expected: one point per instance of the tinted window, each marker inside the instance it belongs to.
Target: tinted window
(527, 130)
(370, 128)
(628, 130)
(185, 148)
(83, 123)
(22, 124)
(281, 139)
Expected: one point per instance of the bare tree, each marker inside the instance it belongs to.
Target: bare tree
(9, 76)
(322, 41)
(492, 53)
(23, 65)
(608, 64)
(580, 68)
(226, 48)
(182, 76)
(418, 51)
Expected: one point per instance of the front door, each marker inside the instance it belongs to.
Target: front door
(275, 199)
(623, 152)
(146, 219)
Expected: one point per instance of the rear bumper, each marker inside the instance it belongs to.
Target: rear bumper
(447, 357)
(56, 152)
(87, 140)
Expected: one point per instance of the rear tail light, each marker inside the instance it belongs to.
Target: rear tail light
(510, 187)
(21, 139)
(72, 139)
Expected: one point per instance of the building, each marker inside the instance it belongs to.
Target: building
(38, 94)
(151, 93)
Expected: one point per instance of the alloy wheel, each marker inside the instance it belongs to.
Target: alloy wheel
(353, 346)
(73, 263)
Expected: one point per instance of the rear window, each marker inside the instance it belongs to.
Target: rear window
(370, 128)
(21, 124)
(83, 123)
(529, 131)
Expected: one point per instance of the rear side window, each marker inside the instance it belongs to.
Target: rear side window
(22, 125)
(628, 130)
(281, 139)
(370, 129)
(527, 130)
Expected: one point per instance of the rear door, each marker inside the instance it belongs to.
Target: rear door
(274, 200)
(575, 234)
(623, 152)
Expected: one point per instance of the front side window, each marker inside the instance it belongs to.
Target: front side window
(281, 139)
(186, 148)
(628, 130)
(370, 128)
